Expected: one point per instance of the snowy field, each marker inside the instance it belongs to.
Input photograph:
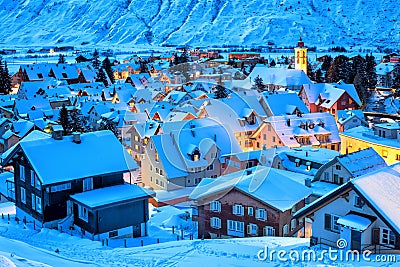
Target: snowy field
(26, 247)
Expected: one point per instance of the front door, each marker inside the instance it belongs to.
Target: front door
(136, 231)
(355, 240)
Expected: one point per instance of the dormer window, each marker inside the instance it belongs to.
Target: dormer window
(251, 119)
(195, 156)
(302, 125)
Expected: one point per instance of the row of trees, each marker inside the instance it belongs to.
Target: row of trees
(102, 68)
(5, 78)
(358, 70)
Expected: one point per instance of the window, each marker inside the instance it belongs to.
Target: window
(250, 211)
(22, 172)
(215, 206)
(238, 209)
(273, 139)
(210, 167)
(23, 195)
(136, 138)
(331, 223)
(38, 201)
(235, 226)
(264, 136)
(157, 157)
(269, 128)
(293, 224)
(215, 222)
(397, 156)
(33, 201)
(157, 170)
(32, 178)
(60, 187)
(285, 230)
(252, 229)
(358, 202)
(161, 172)
(83, 213)
(261, 214)
(384, 153)
(336, 179)
(87, 184)
(338, 167)
(387, 237)
(269, 231)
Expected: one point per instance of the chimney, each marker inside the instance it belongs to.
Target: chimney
(77, 138)
(307, 182)
(57, 132)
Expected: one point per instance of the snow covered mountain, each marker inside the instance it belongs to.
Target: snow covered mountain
(200, 22)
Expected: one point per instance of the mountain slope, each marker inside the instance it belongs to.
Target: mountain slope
(200, 22)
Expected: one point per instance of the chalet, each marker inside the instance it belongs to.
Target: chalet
(181, 158)
(383, 138)
(313, 129)
(348, 119)
(342, 168)
(81, 188)
(64, 72)
(282, 104)
(385, 74)
(330, 97)
(363, 211)
(259, 201)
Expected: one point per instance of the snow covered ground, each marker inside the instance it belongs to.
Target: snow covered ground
(26, 247)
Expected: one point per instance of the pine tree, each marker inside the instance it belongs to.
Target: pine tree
(5, 78)
(361, 87)
(258, 84)
(109, 125)
(370, 70)
(220, 92)
(318, 76)
(65, 120)
(184, 57)
(396, 76)
(95, 60)
(327, 61)
(107, 66)
(101, 77)
(339, 70)
(77, 122)
(61, 59)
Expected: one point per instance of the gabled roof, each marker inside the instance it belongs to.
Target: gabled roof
(56, 161)
(283, 104)
(279, 76)
(346, 115)
(269, 185)
(380, 189)
(361, 162)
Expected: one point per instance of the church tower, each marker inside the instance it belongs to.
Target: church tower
(300, 54)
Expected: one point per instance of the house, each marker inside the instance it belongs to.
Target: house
(278, 78)
(348, 119)
(7, 190)
(234, 162)
(385, 74)
(259, 201)
(364, 212)
(342, 168)
(282, 104)
(330, 97)
(72, 182)
(383, 138)
(313, 129)
(181, 158)
(305, 160)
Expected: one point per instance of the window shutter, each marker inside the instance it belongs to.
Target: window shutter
(219, 206)
(233, 209)
(248, 229)
(328, 222)
(375, 236)
(265, 231)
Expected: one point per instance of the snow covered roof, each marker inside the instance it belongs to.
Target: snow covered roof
(361, 162)
(355, 222)
(282, 104)
(56, 161)
(279, 76)
(22, 127)
(380, 189)
(329, 93)
(346, 115)
(23, 106)
(324, 123)
(367, 134)
(271, 186)
(384, 68)
(112, 195)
